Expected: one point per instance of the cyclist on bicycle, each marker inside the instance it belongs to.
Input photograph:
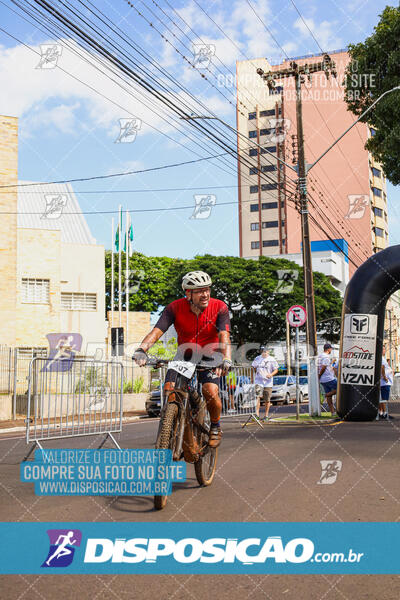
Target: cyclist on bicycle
(202, 324)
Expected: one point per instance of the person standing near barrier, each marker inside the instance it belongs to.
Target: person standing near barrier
(386, 384)
(231, 382)
(326, 375)
(265, 367)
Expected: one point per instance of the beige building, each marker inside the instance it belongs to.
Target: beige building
(51, 268)
(60, 268)
(8, 229)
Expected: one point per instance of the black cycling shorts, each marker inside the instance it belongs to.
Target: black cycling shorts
(206, 376)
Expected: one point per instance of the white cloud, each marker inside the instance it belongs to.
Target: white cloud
(51, 96)
(324, 32)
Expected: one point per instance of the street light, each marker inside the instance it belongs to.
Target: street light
(308, 167)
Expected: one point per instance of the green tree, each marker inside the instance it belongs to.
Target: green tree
(372, 70)
(148, 281)
(250, 288)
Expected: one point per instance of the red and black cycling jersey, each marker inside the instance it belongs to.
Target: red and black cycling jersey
(201, 330)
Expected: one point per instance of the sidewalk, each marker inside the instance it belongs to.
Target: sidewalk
(18, 425)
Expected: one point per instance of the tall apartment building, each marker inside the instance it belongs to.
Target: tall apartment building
(347, 187)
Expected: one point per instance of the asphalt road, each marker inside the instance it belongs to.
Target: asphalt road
(268, 474)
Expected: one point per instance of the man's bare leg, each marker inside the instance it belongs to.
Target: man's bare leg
(214, 406)
(329, 400)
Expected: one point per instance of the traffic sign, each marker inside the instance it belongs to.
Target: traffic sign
(296, 316)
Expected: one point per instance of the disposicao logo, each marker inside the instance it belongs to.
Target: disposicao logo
(62, 547)
(190, 550)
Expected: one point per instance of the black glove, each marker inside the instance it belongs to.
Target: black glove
(140, 356)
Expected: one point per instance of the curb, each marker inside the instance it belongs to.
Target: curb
(23, 429)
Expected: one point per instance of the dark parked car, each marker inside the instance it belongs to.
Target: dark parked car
(153, 404)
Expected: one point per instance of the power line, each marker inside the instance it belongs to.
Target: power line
(267, 29)
(233, 151)
(115, 211)
(314, 38)
(187, 162)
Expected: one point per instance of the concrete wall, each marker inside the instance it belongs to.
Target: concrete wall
(39, 256)
(8, 229)
(138, 326)
(82, 270)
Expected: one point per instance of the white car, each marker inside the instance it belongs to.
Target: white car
(303, 383)
(284, 389)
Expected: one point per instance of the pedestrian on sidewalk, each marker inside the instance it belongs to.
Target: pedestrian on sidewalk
(265, 367)
(386, 384)
(326, 375)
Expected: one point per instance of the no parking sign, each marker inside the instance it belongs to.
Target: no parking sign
(296, 316)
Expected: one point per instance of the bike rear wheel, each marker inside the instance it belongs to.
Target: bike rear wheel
(166, 441)
(205, 467)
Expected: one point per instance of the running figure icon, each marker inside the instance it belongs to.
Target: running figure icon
(62, 549)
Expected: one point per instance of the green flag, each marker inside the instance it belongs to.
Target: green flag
(118, 232)
(130, 235)
(117, 239)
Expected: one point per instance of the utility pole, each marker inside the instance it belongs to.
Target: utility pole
(300, 72)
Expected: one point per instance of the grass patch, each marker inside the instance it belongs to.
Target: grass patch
(305, 417)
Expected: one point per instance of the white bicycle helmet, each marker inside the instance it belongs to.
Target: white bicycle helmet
(195, 280)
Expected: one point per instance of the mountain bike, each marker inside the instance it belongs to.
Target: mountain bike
(185, 424)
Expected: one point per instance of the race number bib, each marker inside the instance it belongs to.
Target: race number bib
(183, 367)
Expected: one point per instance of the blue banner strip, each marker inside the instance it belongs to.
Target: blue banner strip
(214, 548)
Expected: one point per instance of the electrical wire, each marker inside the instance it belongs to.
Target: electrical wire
(305, 23)
(248, 163)
(95, 177)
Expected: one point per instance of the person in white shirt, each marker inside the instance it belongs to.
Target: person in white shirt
(265, 367)
(386, 383)
(327, 377)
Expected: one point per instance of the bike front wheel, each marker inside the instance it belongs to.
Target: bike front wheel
(206, 465)
(166, 440)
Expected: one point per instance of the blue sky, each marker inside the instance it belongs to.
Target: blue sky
(68, 130)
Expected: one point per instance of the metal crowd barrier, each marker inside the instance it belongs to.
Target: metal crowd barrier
(70, 398)
(237, 391)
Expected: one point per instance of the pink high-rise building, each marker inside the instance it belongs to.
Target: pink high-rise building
(347, 188)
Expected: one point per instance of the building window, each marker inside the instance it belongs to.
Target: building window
(267, 113)
(78, 301)
(376, 172)
(267, 205)
(252, 115)
(254, 226)
(377, 192)
(378, 212)
(254, 207)
(31, 352)
(268, 149)
(269, 224)
(253, 152)
(255, 245)
(266, 168)
(253, 134)
(269, 243)
(253, 189)
(278, 89)
(253, 171)
(35, 291)
(265, 131)
(378, 231)
(269, 186)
